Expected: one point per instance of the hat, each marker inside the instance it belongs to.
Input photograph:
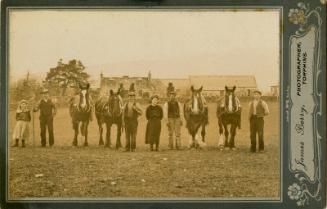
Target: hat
(155, 96)
(44, 91)
(23, 101)
(257, 91)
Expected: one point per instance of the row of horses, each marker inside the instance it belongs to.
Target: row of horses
(109, 111)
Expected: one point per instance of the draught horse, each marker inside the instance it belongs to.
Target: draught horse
(80, 109)
(109, 111)
(196, 116)
(228, 113)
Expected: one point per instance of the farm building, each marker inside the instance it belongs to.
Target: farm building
(142, 84)
(274, 90)
(215, 85)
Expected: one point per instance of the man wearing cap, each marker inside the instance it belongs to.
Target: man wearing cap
(47, 112)
(131, 112)
(258, 109)
(173, 116)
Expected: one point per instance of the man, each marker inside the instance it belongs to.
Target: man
(173, 117)
(47, 112)
(258, 109)
(131, 112)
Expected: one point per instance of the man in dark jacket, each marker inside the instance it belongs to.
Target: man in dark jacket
(258, 109)
(173, 112)
(47, 112)
(131, 112)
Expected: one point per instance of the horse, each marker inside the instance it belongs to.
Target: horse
(80, 109)
(228, 113)
(109, 111)
(196, 116)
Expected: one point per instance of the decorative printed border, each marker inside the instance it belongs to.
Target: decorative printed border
(304, 189)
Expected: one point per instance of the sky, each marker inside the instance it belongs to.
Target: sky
(169, 43)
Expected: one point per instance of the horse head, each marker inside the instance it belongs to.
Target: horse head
(115, 103)
(231, 101)
(197, 100)
(84, 97)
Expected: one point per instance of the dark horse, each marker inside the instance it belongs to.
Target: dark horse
(196, 116)
(108, 110)
(80, 109)
(228, 112)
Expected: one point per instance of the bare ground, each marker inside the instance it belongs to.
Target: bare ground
(84, 172)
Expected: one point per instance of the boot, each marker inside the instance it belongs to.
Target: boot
(23, 143)
(16, 143)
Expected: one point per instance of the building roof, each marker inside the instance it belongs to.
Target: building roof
(212, 82)
(177, 83)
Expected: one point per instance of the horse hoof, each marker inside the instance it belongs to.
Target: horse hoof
(86, 144)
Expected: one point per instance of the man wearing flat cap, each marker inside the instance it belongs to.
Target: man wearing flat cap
(173, 116)
(258, 109)
(47, 112)
(132, 111)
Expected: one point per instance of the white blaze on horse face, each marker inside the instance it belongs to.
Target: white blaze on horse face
(195, 105)
(84, 98)
(230, 103)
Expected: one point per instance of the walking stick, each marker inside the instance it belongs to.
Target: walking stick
(33, 131)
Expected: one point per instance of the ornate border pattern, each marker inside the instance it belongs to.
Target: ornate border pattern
(303, 189)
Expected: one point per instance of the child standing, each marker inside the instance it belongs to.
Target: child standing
(258, 109)
(23, 118)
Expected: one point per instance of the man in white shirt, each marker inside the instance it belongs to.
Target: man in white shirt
(258, 109)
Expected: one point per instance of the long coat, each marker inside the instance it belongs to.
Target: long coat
(154, 116)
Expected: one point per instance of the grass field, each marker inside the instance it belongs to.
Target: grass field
(85, 172)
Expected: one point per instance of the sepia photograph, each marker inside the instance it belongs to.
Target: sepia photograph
(144, 104)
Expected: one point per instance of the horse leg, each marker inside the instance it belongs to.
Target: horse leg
(232, 137)
(75, 127)
(226, 136)
(193, 145)
(118, 142)
(108, 140)
(203, 132)
(86, 124)
(221, 136)
(101, 132)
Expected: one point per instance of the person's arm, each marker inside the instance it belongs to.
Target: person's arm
(181, 110)
(165, 111)
(37, 107)
(54, 109)
(147, 114)
(250, 110)
(161, 113)
(265, 106)
(138, 109)
(29, 118)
